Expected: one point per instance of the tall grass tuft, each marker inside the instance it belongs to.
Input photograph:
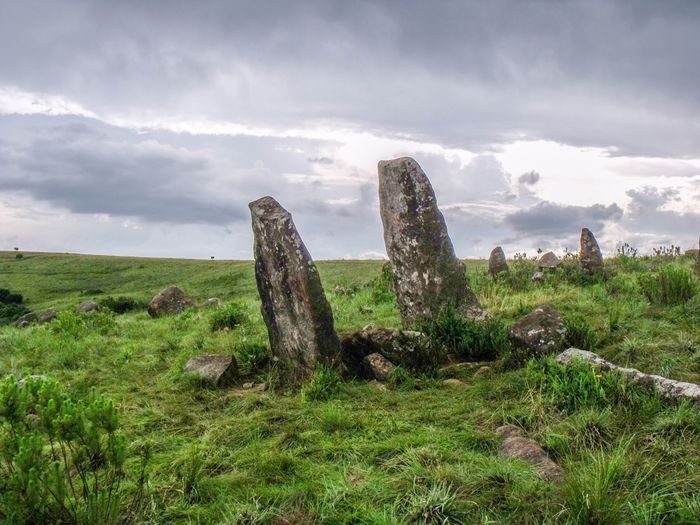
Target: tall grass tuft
(672, 284)
(324, 384)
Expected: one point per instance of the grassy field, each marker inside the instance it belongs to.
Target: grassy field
(420, 451)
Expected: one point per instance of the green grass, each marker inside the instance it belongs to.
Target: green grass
(349, 452)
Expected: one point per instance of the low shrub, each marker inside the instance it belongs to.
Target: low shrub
(324, 384)
(62, 459)
(252, 357)
(7, 297)
(228, 316)
(382, 286)
(9, 313)
(122, 304)
(671, 284)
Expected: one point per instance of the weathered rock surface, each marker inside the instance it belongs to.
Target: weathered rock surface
(170, 300)
(26, 319)
(540, 332)
(47, 315)
(538, 277)
(497, 261)
(590, 256)
(516, 446)
(405, 348)
(454, 382)
(669, 388)
(549, 260)
(379, 366)
(87, 306)
(215, 371)
(427, 274)
(294, 306)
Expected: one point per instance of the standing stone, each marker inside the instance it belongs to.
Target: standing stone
(427, 274)
(549, 260)
(497, 261)
(590, 256)
(295, 309)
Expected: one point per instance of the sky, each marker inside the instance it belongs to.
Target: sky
(145, 127)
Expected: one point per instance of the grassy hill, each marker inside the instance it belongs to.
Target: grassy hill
(419, 451)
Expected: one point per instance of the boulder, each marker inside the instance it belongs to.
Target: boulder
(427, 274)
(294, 306)
(538, 277)
(540, 332)
(454, 382)
(497, 261)
(26, 319)
(214, 371)
(87, 306)
(590, 257)
(406, 348)
(170, 300)
(47, 315)
(669, 388)
(378, 366)
(515, 445)
(548, 260)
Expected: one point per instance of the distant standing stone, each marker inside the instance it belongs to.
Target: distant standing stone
(170, 300)
(497, 261)
(295, 309)
(427, 274)
(87, 306)
(215, 371)
(548, 260)
(590, 256)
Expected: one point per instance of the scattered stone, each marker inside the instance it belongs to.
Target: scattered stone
(405, 348)
(213, 302)
(33, 377)
(454, 382)
(26, 320)
(295, 309)
(538, 277)
(379, 366)
(378, 385)
(248, 385)
(668, 388)
(87, 306)
(516, 446)
(590, 256)
(216, 371)
(427, 274)
(548, 260)
(484, 371)
(456, 368)
(540, 332)
(170, 300)
(48, 315)
(497, 262)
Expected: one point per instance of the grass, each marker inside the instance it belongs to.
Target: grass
(349, 452)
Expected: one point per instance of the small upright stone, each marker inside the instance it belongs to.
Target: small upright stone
(295, 309)
(171, 300)
(216, 371)
(590, 256)
(497, 261)
(427, 274)
(548, 260)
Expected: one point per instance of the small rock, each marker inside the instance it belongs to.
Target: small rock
(540, 332)
(170, 300)
(379, 386)
(538, 277)
(26, 320)
(248, 385)
(516, 446)
(454, 382)
(47, 315)
(484, 371)
(87, 306)
(405, 348)
(213, 302)
(497, 261)
(213, 370)
(379, 366)
(549, 260)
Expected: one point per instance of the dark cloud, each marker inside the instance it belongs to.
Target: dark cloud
(548, 218)
(530, 178)
(649, 214)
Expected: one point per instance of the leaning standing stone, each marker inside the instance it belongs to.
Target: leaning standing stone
(295, 309)
(590, 256)
(497, 261)
(427, 274)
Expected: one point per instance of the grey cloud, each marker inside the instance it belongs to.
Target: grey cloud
(648, 216)
(548, 218)
(321, 160)
(530, 178)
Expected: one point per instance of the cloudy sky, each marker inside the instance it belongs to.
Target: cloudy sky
(145, 127)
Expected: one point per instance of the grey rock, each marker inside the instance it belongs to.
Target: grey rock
(454, 382)
(87, 306)
(48, 315)
(427, 274)
(590, 256)
(406, 348)
(484, 371)
(549, 260)
(515, 445)
(213, 302)
(170, 300)
(26, 320)
(215, 371)
(669, 388)
(540, 332)
(497, 261)
(379, 366)
(296, 312)
(538, 277)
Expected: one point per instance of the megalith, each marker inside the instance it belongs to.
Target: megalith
(427, 274)
(590, 257)
(295, 309)
(497, 261)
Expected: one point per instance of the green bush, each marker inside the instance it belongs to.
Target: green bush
(7, 297)
(252, 358)
(122, 304)
(324, 384)
(9, 313)
(671, 284)
(383, 285)
(62, 460)
(229, 316)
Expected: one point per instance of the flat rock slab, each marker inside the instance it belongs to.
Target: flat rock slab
(590, 256)
(540, 332)
(668, 388)
(515, 445)
(427, 274)
(215, 371)
(296, 312)
(379, 367)
(170, 300)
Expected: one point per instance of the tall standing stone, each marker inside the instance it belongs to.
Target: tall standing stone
(427, 274)
(497, 261)
(295, 309)
(590, 256)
